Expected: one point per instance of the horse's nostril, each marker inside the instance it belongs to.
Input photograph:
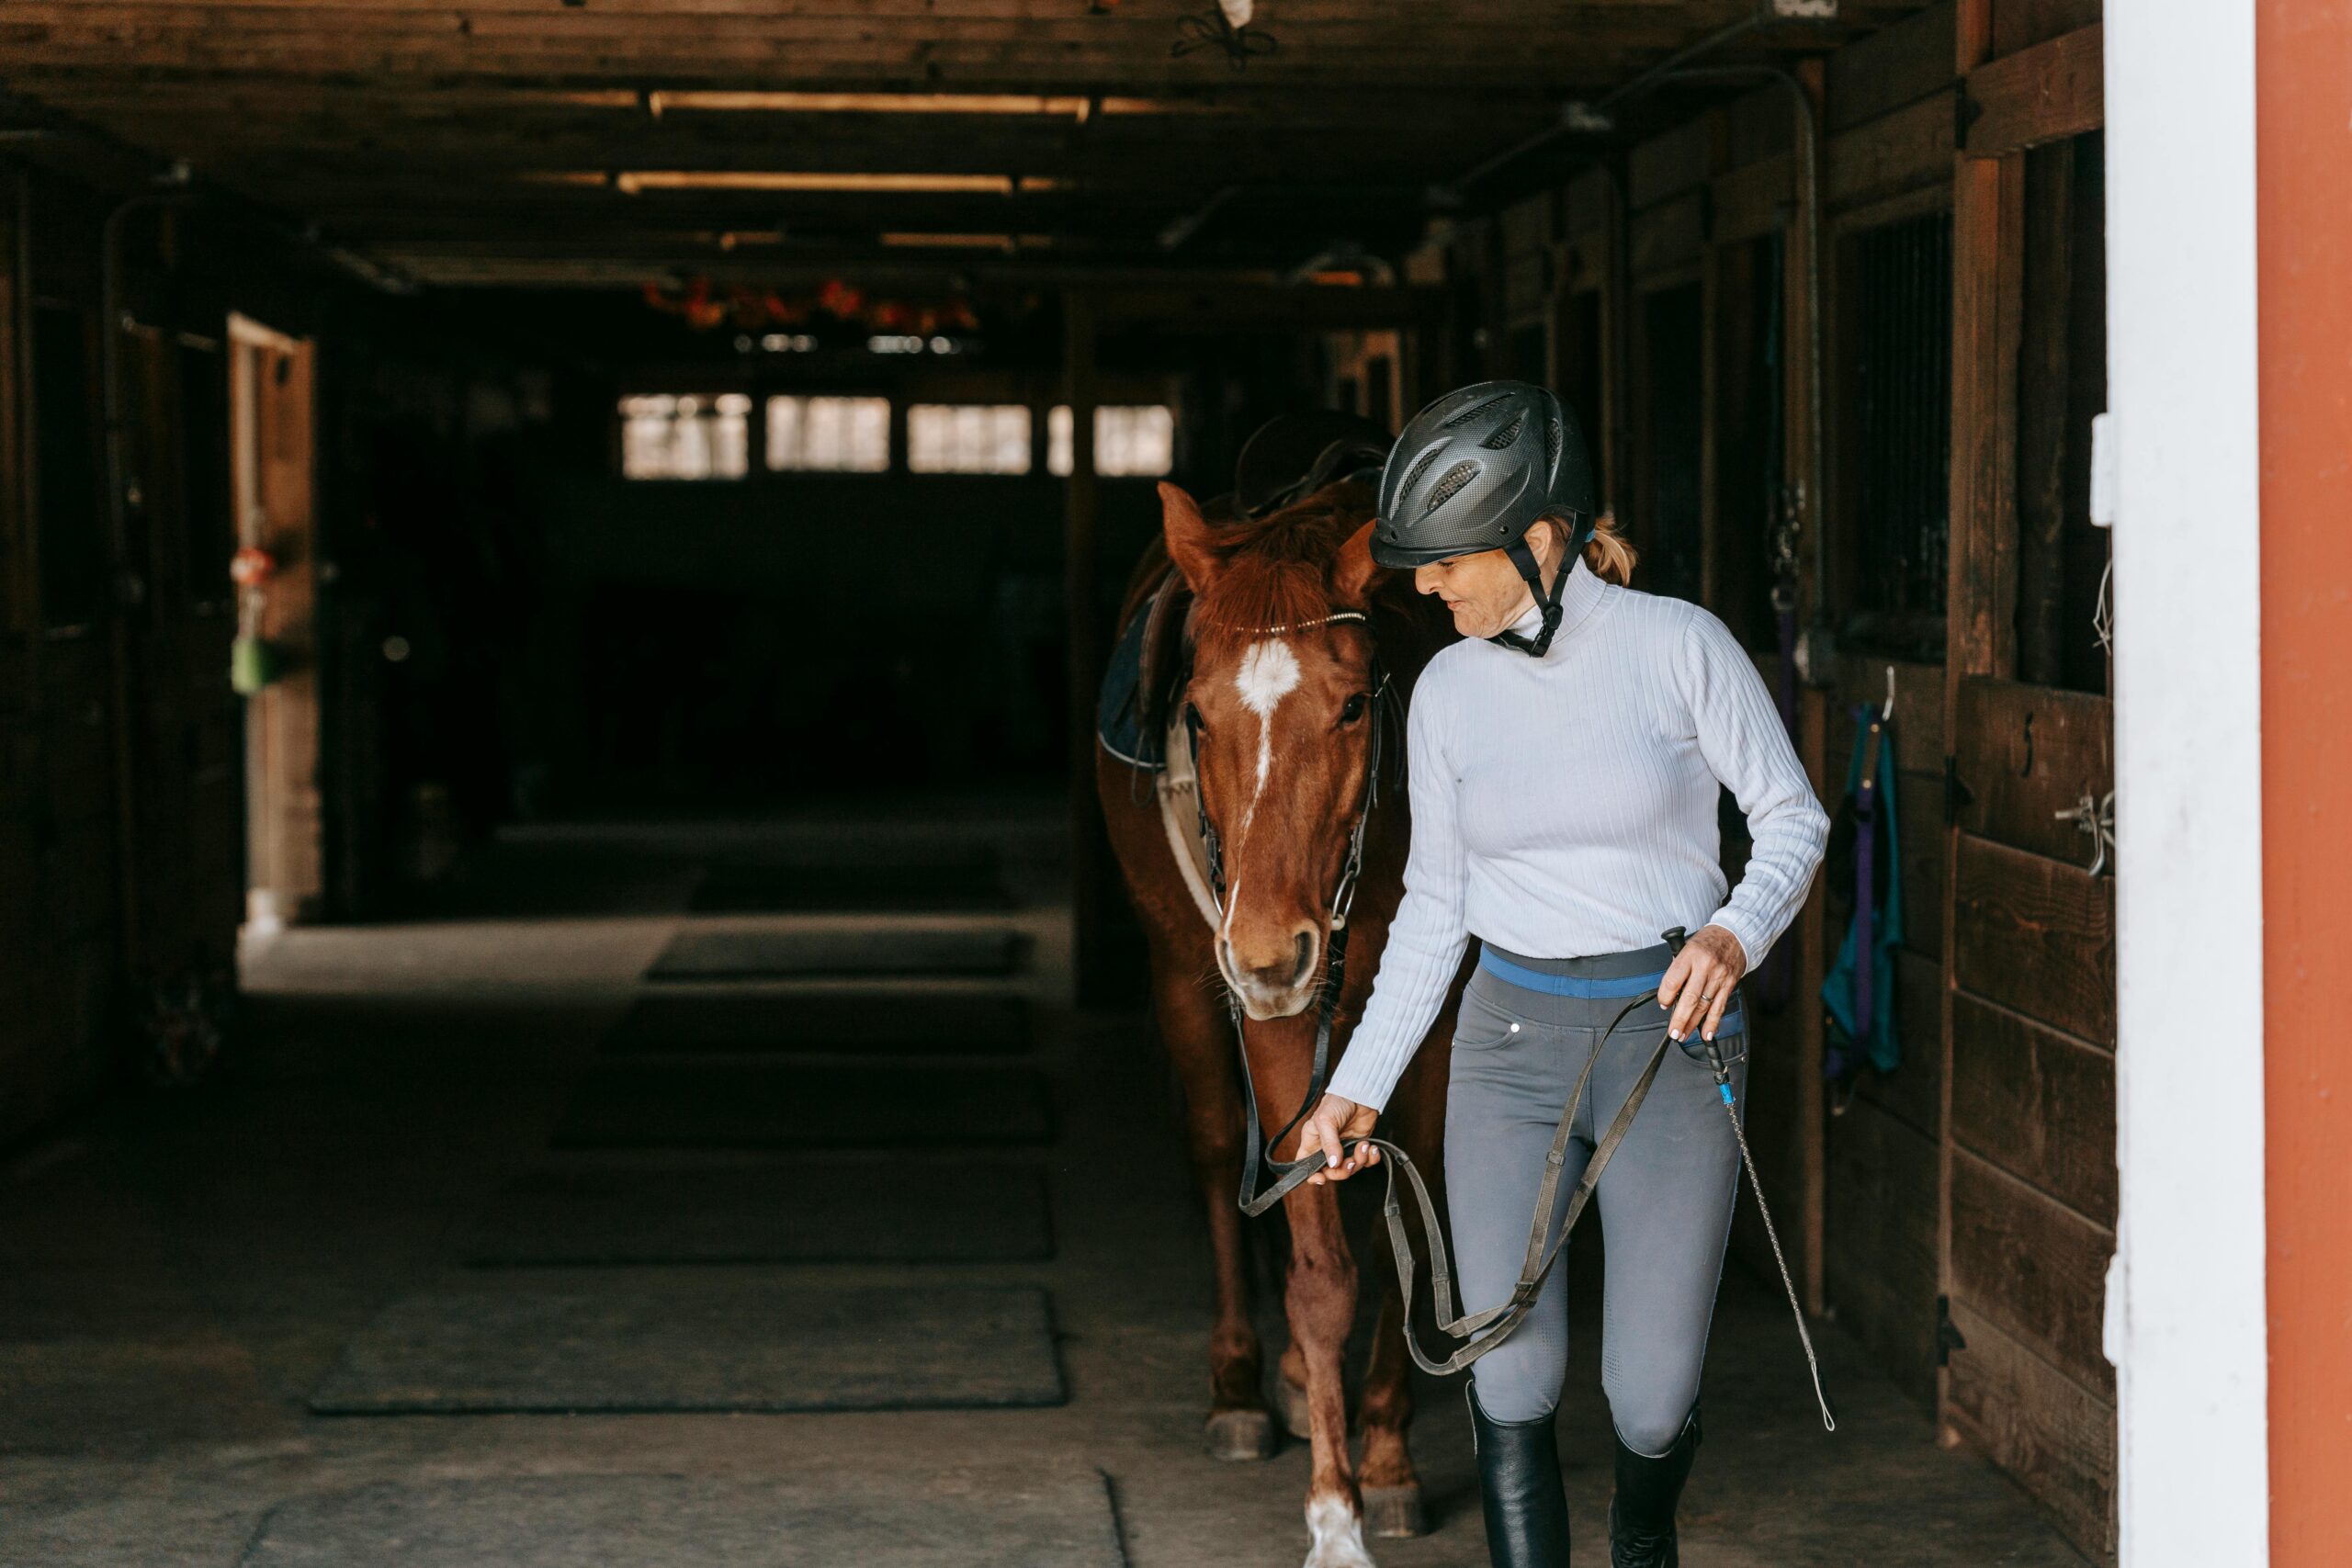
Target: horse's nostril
(1305, 958)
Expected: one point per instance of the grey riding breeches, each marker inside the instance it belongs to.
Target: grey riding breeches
(1665, 1197)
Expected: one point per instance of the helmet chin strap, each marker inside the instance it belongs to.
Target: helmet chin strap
(1524, 558)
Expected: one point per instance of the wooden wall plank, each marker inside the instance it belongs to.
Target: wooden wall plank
(1761, 125)
(1669, 164)
(2047, 93)
(2037, 936)
(1919, 744)
(1913, 1093)
(2055, 1436)
(2026, 754)
(1754, 199)
(1671, 236)
(1881, 1241)
(1892, 67)
(2034, 1266)
(1919, 817)
(2037, 1103)
(2021, 24)
(1903, 151)
(1590, 200)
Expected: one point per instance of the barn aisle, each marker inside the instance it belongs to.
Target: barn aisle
(478, 1168)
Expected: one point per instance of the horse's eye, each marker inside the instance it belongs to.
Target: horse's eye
(1194, 721)
(1352, 709)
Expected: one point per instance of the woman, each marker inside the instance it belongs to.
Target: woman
(1567, 759)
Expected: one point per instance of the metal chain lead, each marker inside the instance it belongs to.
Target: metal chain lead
(1772, 1231)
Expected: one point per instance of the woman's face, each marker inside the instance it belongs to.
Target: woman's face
(1484, 590)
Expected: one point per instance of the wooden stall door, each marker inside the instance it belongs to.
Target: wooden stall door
(2030, 1184)
(270, 389)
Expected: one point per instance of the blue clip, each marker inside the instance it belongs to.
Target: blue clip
(1725, 1090)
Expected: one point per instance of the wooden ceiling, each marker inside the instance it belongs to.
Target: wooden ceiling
(490, 141)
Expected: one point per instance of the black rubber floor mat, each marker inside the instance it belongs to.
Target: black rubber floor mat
(780, 1105)
(754, 887)
(805, 952)
(901, 1516)
(917, 1022)
(747, 1345)
(801, 1211)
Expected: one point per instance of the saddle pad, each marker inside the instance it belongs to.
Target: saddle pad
(765, 1343)
(1120, 725)
(806, 1211)
(819, 950)
(771, 1105)
(925, 1023)
(753, 887)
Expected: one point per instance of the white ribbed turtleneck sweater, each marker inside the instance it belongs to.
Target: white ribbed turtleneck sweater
(1564, 806)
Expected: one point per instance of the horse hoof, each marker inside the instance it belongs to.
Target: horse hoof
(1394, 1512)
(1240, 1434)
(1291, 1400)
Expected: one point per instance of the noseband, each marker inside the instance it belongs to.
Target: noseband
(1288, 1174)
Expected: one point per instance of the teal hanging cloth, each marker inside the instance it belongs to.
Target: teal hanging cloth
(1864, 858)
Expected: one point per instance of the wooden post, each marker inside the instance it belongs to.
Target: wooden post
(1980, 610)
(1081, 495)
(1815, 943)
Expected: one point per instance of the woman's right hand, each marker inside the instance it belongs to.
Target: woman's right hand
(1333, 1124)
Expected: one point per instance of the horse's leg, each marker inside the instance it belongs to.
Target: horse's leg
(1200, 1038)
(1391, 1485)
(1415, 1121)
(1321, 1299)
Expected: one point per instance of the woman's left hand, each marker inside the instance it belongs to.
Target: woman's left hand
(1698, 984)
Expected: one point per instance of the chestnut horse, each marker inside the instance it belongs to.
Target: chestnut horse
(1285, 618)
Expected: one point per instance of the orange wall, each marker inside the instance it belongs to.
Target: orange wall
(2304, 150)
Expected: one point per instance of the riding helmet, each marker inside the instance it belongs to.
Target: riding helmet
(1475, 469)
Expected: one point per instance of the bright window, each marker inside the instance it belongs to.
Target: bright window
(829, 434)
(685, 437)
(1129, 439)
(971, 438)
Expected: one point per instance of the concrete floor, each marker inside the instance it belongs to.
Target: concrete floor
(178, 1272)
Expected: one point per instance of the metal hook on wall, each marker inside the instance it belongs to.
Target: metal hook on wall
(2096, 818)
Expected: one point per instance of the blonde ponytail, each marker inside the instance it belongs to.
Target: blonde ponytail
(1607, 553)
(1611, 557)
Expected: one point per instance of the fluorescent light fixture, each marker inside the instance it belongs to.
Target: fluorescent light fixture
(1057, 105)
(661, 102)
(968, 242)
(632, 181)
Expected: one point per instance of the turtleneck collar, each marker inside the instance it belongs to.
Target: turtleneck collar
(1584, 590)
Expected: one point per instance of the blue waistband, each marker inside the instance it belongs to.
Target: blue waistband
(1589, 987)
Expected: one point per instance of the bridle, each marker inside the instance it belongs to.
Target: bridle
(1288, 1174)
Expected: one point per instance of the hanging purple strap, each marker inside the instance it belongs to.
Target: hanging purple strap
(1865, 890)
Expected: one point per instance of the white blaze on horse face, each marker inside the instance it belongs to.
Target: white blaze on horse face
(1268, 673)
(1339, 1535)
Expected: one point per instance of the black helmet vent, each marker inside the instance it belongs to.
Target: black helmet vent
(1419, 469)
(1550, 446)
(1450, 483)
(1502, 438)
(1489, 406)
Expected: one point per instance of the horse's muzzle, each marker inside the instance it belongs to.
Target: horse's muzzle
(1276, 980)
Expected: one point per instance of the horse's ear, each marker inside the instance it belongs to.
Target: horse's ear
(1353, 580)
(1191, 542)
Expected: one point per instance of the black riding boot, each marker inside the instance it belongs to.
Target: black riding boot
(1641, 1517)
(1518, 1476)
